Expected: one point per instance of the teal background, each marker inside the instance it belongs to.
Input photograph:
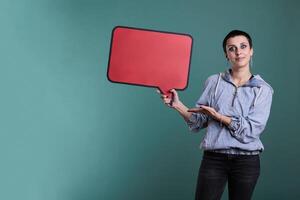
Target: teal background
(67, 133)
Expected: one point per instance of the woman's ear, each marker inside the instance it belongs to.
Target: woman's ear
(226, 56)
(251, 52)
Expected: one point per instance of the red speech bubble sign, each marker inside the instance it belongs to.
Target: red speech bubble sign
(150, 58)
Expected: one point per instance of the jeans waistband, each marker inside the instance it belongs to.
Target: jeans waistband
(236, 151)
(224, 155)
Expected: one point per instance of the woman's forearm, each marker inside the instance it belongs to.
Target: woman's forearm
(182, 110)
(224, 119)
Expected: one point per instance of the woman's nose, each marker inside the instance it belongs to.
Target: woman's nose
(237, 51)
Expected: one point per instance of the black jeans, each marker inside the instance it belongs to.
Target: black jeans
(241, 172)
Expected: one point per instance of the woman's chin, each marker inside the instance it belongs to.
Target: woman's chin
(240, 65)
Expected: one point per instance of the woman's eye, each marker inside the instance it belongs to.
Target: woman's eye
(231, 49)
(243, 46)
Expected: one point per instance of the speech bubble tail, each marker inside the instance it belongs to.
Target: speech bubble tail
(166, 92)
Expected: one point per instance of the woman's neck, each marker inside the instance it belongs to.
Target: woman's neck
(240, 76)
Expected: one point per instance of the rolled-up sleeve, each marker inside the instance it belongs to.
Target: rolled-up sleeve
(197, 121)
(248, 128)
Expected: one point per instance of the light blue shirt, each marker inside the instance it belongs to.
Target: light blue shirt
(248, 106)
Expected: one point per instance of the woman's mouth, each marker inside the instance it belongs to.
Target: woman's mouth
(240, 59)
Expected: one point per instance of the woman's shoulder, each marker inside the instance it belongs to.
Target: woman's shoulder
(263, 84)
(213, 78)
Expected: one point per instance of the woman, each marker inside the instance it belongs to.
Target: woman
(234, 107)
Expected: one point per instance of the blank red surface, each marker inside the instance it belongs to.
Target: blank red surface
(150, 58)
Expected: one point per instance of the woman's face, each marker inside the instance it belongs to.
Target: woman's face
(238, 51)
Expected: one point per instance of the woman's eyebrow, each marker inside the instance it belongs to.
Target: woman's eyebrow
(231, 45)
